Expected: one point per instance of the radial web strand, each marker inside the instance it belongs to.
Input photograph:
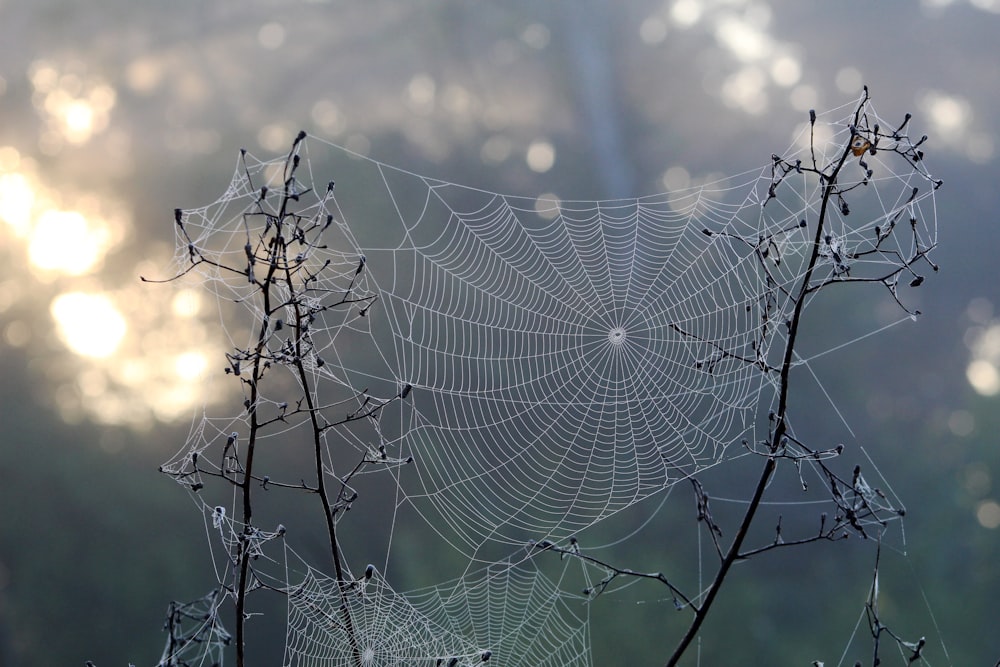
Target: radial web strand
(505, 614)
(570, 358)
(520, 368)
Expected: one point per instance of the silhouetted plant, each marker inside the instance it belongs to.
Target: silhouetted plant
(302, 295)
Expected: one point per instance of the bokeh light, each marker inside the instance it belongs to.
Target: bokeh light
(144, 354)
(547, 206)
(271, 35)
(124, 355)
(953, 123)
(89, 324)
(66, 241)
(74, 106)
(541, 156)
(988, 514)
(983, 341)
(63, 233)
(17, 198)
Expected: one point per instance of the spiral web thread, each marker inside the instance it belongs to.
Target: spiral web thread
(511, 608)
(564, 360)
(571, 358)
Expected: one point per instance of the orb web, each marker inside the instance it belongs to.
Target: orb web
(562, 360)
(570, 358)
(569, 363)
(505, 614)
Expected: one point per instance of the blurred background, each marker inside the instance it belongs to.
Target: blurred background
(113, 113)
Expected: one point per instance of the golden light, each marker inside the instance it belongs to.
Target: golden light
(74, 106)
(78, 117)
(186, 303)
(89, 324)
(102, 367)
(143, 354)
(190, 365)
(17, 198)
(67, 242)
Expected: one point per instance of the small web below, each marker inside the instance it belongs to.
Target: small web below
(560, 361)
(511, 608)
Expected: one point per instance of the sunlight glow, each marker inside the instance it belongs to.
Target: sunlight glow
(65, 241)
(74, 106)
(89, 324)
(186, 303)
(190, 365)
(16, 200)
(142, 355)
(60, 233)
(79, 118)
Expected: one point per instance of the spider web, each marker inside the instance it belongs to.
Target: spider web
(561, 362)
(510, 607)
(571, 358)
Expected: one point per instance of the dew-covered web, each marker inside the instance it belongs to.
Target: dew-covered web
(521, 368)
(570, 358)
(508, 607)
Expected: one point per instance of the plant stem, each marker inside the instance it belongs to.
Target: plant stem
(301, 323)
(781, 423)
